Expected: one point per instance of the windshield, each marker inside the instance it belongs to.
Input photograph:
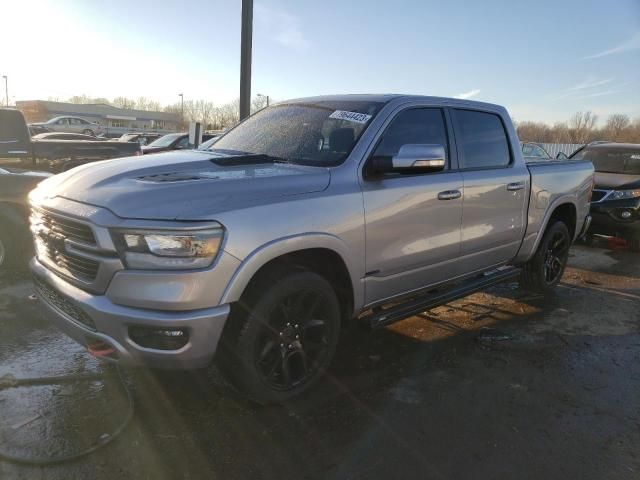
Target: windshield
(612, 159)
(321, 133)
(166, 140)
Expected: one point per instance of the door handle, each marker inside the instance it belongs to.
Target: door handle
(514, 187)
(449, 195)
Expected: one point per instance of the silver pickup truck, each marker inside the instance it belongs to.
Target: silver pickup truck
(307, 216)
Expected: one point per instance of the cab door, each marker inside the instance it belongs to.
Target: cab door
(412, 221)
(495, 190)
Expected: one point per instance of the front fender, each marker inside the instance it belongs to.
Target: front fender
(282, 246)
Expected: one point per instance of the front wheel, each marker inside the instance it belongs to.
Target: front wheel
(88, 132)
(283, 336)
(545, 269)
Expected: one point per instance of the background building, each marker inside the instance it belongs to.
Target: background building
(116, 121)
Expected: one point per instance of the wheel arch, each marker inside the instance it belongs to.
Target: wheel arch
(323, 253)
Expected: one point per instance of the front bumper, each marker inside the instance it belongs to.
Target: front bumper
(89, 318)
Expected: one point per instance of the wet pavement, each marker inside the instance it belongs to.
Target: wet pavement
(501, 384)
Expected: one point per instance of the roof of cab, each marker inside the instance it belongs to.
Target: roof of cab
(388, 97)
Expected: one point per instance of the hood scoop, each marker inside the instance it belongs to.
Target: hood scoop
(173, 177)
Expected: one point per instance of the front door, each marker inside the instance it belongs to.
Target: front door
(412, 229)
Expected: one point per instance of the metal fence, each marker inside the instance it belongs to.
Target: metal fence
(555, 148)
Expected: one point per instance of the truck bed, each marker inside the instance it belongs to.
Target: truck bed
(554, 182)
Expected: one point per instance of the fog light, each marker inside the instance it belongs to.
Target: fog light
(626, 214)
(159, 338)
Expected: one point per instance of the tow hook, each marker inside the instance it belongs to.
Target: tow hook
(100, 349)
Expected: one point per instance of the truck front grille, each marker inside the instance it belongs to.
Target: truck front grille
(66, 227)
(51, 233)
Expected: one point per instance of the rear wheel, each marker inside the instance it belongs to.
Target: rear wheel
(544, 271)
(283, 336)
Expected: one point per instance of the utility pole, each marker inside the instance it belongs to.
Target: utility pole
(246, 38)
(6, 88)
(181, 95)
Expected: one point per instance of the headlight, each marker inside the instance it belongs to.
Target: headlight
(624, 194)
(168, 250)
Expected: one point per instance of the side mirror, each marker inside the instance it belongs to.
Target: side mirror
(412, 158)
(420, 157)
(561, 156)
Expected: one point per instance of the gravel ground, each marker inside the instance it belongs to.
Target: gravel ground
(500, 384)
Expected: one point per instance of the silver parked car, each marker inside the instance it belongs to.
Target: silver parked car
(71, 125)
(309, 215)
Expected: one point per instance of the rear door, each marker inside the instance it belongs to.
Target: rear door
(495, 189)
(412, 228)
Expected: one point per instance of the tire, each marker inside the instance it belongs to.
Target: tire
(282, 336)
(88, 131)
(545, 269)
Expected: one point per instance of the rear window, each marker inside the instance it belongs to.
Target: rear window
(481, 139)
(612, 159)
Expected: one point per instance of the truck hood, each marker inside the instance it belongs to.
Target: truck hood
(180, 185)
(616, 181)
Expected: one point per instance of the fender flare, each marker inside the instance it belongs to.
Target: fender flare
(547, 216)
(285, 245)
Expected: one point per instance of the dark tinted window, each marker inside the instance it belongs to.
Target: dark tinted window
(415, 126)
(612, 159)
(481, 139)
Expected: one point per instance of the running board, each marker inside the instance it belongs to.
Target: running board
(382, 317)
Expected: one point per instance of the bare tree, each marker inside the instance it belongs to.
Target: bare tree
(144, 103)
(258, 103)
(616, 125)
(560, 133)
(534, 132)
(124, 102)
(581, 126)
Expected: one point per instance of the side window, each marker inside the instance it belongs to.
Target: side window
(481, 139)
(182, 143)
(62, 121)
(414, 126)
(527, 150)
(539, 152)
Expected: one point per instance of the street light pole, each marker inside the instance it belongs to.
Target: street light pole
(6, 88)
(181, 95)
(246, 36)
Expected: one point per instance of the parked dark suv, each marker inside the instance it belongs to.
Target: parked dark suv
(615, 206)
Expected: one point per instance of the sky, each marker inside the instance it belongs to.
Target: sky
(542, 59)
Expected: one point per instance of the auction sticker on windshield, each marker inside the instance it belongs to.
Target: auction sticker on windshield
(350, 116)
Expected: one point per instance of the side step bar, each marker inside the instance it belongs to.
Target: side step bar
(381, 317)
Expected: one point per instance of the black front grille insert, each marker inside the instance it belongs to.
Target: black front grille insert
(52, 232)
(598, 195)
(65, 306)
(66, 227)
(79, 267)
